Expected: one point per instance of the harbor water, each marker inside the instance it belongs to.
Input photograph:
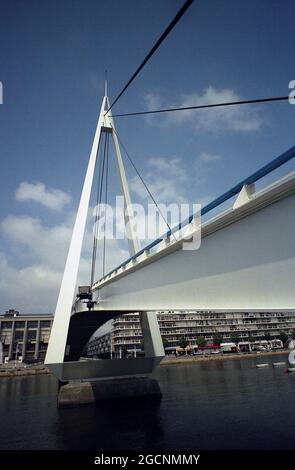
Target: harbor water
(226, 404)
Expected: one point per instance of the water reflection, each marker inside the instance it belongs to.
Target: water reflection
(207, 405)
(135, 423)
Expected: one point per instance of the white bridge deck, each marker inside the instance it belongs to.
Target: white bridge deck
(246, 260)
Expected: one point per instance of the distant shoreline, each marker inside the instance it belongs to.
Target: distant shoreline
(168, 360)
(23, 371)
(6, 372)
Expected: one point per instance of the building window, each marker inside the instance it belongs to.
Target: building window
(32, 335)
(19, 335)
(6, 324)
(20, 324)
(45, 323)
(44, 338)
(6, 338)
(32, 324)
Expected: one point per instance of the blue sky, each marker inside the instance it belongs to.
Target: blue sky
(53, 55)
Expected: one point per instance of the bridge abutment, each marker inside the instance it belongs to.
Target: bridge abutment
(95, 391)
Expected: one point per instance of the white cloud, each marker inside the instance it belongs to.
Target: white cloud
(30, 289)
(31, 284)
(209, 157)
(243, 118)
(171, 183)
(54, 199)
(153, 101)
(45, 244)
(166, 178)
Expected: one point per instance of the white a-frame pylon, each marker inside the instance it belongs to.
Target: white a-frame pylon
(57, 346)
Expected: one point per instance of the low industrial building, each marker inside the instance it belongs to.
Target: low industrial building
(24, 338)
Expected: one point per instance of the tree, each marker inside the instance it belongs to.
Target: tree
(123, 349)
(183, 342)
(217, 338)
(165, 342)
(201, 342)
(267, 336)
(234, 338)
(283, 337)
(251, 339)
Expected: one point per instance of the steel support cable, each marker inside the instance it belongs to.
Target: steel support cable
(106, 202)
(100, 157)
(101, 192)
(98, 210)
(163, 36)
(204, 106)
(142, 180)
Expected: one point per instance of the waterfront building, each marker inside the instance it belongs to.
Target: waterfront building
(24, 338)
(100, 346)
(176, 325)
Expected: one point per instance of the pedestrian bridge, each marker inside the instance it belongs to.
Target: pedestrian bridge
(246, 261)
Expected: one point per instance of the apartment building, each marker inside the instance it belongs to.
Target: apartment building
(174, 325)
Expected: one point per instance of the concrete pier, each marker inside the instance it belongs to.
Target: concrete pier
(89, 392)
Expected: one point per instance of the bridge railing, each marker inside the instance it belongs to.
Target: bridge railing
(253, 178)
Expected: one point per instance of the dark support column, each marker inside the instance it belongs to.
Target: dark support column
(11, 342)
(37, 342)
(24, 351)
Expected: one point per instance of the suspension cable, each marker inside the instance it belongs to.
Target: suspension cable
(98, 210)
(142, 180)
(106, 203)
(203, 106)
(163, 36)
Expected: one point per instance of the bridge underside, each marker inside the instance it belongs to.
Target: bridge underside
(82, 326)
